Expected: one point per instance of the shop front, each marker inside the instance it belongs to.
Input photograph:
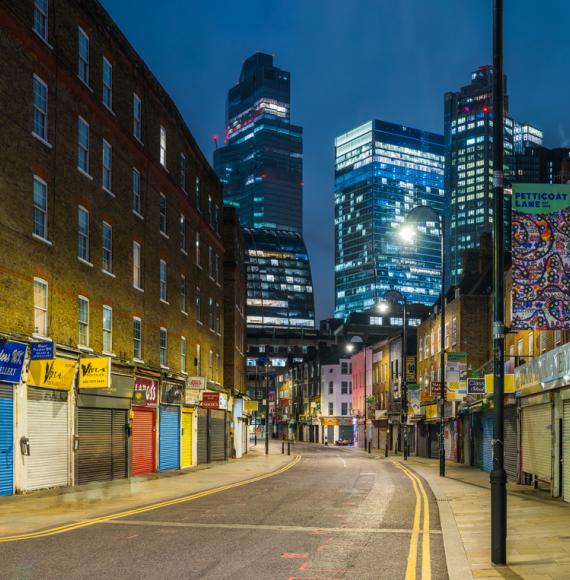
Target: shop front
(212, 427)
(103, 406)
(536, 439)
(240, 427)
(143, 425)
(169, 438)
(46, 442)
(12, 356)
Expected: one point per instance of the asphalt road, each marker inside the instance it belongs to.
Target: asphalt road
(338, 514)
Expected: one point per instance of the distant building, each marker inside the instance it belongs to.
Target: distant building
(261, 161)
(336, 398)
(537, 164)
(279, 283)
(382, 171)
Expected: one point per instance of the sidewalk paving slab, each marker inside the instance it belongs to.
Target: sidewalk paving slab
(20, 514)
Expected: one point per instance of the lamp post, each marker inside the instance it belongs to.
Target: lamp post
(264, 361)
(350, 348)
(397, 296)
(498, 475)
(426, 213)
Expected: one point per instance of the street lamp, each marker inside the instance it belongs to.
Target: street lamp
(397, 296)
(426, 213)
(264, 361)
(350, 347)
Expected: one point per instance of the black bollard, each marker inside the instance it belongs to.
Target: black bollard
(288, 447)
(283, 447)
(369, 446)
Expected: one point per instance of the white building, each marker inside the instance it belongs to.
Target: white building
(336, 401)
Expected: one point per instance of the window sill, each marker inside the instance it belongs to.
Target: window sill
(108, 273)
(83, 172)
(109, 109)
(137, 214)
(42, 140)
(85, 84)
(84, 348)
(41, 337)
(44, 40)
(108, 191)
(199, 322)
(43, 240)
(184, 252)
(139, 289)
(184, 312)
(164, 367)
(138, 140)
(164, 235)
(198, 266)
(90, 264)
(139, 361)
(165, 302)
(111, 354)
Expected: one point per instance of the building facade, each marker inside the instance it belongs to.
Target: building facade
(261, 161)
(382, 171)
(110, 251)
(336, 400)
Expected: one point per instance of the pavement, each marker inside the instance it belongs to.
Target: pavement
(538, 526)
(330, 514)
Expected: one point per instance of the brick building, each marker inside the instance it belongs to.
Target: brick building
(110, 215)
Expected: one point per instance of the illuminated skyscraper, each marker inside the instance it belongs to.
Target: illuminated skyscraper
(382, 171)
(261, 162)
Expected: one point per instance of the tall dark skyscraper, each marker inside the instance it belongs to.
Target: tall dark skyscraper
(261, 161)
(382, 171)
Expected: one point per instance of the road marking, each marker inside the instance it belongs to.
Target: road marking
(268, 527)
(293, 555)
(343, 461)
(413, 551)
(91, 522)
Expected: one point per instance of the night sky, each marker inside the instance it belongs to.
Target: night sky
(350, 61)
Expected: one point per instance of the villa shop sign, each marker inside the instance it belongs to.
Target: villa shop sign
(12, 355)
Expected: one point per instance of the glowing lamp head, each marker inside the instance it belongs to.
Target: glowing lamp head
(383, 307)
(407, 233)
(350, 347)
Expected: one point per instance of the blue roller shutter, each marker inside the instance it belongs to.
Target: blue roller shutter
(6, 442)
(487, 463)
(169, 438)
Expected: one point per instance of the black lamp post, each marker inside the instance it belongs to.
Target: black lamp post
(397, 296)
(426, 213)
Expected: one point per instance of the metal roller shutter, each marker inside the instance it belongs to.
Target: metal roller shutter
(537, 441)
(511, 444)
(345, 432)
(48, 462)
(143, 441)
(169, 445)
(119, 440)
(434, 431)
(202, 436)
(186, 460)
(217, 435)
(487, 441)
(477, 431)
(6, 441)
(566, 451)
(330, 435)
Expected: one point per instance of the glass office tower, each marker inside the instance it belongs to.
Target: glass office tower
(279, 284)
(261, 162)
(382, 171)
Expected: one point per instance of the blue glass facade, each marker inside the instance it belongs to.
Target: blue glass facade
(279, 284)
(382, 171)
(261, 162)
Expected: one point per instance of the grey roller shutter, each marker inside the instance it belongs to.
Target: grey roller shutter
(511, 444)
(217, 435)
(47, 464)
(202, 436)
(119, 444)
(566, 451)
(537, 441)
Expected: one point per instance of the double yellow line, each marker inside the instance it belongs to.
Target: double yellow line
(91, 522)
(413, 551)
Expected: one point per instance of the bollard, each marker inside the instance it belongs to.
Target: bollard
(369, 446)
(283, 447)
(386, 450)
(288, 447)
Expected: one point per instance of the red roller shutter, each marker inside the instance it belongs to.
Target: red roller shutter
(143, 441)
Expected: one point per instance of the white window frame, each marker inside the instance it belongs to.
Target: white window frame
(83, 148)
(163, 277)
(41, 13)
(183, 355)
(107, 86)
(198, 359)
(137, 341)
(83, 236)
(83, 60)
(163, 215)
(198, 304)
(43, 308)
(107, 330)
(136, 191)
(107, 252)
(183, 294)
(197, 255)
(163, 350)
(183, 234)
(107, 166)
(41, 110)
(162, 157)
(211, 365)
(137, 265)
(82, 324)
(40, 211)
(137, 117)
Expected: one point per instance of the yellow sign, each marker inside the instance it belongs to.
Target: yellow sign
(251, 405)
(431, 411)
(95, 373)
(509, 383)
(329, 422)
(57, 373)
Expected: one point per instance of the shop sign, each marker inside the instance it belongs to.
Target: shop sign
(139, 398)
(414, 399)
(58, 373)
(42, 350)
(95, 373)
(431, 411)
(380, 414)
(12, 355)
(192, 396)
(345, 422)
(475, 386)
(210, 400)
(171, 392)
(196, 383)
(149, 387)
(284, 402)
(435, 390)
(509, 384)
(540, 256)
(251, 405)
(223, 401)
(329, 421)
(456, 376)
(410, 369)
